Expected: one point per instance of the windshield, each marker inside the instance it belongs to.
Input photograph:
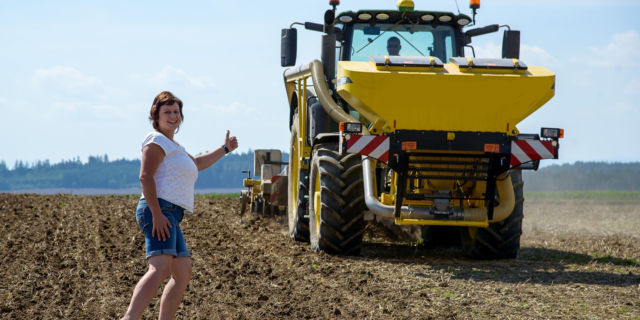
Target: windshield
(404, 40)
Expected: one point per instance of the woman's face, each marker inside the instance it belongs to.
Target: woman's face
(169, 118)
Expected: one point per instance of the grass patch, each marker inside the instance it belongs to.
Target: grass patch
(218, 195)
(618, 197)
(616, 261)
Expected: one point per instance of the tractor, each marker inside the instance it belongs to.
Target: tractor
(395, 119)
(266, 192)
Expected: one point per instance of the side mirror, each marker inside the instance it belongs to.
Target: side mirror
(288, 47)
(511, 44)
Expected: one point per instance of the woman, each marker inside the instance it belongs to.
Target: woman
(167, 176)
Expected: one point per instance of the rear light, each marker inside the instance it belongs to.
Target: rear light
(552, 133)
(350, 127)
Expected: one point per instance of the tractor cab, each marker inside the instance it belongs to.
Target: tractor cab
(392, 33)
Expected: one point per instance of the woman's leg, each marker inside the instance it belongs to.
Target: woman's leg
(173, 292)
(159, 269)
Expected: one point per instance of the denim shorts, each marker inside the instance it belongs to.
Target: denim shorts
(175, 244)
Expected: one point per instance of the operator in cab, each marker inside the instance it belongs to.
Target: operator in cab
(393, 46)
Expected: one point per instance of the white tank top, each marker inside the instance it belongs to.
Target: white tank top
(176, 175)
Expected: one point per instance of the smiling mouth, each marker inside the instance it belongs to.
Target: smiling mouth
(173, 122)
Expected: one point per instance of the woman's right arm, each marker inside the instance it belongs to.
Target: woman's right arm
(152, 156)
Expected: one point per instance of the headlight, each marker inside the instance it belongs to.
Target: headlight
(364, 16)
(428, 17)
(382, 16)
(444, 18)
(463, 22)
(346, 19)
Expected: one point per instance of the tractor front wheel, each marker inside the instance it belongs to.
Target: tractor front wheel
(336, 201)
(297, 190)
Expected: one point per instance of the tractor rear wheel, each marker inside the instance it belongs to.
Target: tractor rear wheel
(297, 190)
(500, 240)
(336, 201)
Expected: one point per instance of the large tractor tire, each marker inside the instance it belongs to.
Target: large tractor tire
(501, 240)
(336, 201)
(298, 189)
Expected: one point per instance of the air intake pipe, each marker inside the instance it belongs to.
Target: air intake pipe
(501, 212)
(315, 70)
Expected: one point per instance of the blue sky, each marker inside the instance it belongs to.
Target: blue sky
(78, 78)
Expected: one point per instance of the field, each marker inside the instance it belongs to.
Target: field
(79, 257)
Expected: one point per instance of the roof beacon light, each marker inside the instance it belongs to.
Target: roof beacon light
(552, 133)
(346, 19)
(463, 22)
(364, 16)
(382, 16)
(428, 17)
(405, 5)
(336, 2)
(444, 18)
(474, 4)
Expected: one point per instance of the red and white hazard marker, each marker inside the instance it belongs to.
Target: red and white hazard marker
(373, 146)
(529, 150)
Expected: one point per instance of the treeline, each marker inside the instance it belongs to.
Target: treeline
(584, 176)
(100, 172)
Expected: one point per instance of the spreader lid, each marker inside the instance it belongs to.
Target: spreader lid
(402, 63)
(489, 65)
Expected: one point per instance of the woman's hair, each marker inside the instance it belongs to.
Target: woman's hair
(163, 98)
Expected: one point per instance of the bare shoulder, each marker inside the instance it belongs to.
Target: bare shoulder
(152, 150)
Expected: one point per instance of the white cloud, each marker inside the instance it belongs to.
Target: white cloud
(621, 108)
(633, 87)
(622, 50)
(531, 55)
(489, 50)
(170, 75)
(115, 92)
(66, 106)
(65, 78)
(234, 108)
(536, 56)
(101, 110)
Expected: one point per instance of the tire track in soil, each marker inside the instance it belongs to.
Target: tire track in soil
(82, 259)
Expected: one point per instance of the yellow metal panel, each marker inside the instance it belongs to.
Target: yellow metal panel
(404, 222)
(449, 100)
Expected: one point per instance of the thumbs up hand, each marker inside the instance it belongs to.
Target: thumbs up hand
(231, 142)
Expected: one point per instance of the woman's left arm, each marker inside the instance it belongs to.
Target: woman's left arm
(206, 160)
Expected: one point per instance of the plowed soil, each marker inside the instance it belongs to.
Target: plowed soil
(79, 257)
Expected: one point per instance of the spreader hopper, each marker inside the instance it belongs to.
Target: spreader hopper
(417, 93)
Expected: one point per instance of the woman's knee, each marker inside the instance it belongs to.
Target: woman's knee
(181, 269)
(161, 273)
(160, 266)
